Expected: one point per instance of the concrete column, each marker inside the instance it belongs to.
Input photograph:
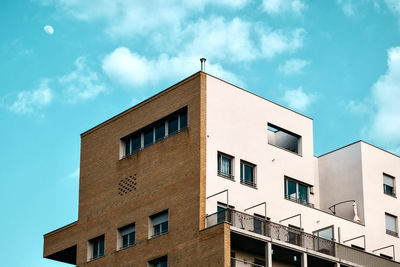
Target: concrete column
(337, 264)
(304, 260)
(268, 254)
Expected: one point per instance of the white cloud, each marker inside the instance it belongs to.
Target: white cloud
(133, 70)
(276, 42)
(237, 40)
(127, 18)
(29, 101)
(82, 83)
(297, 99)
(348, 7)
(385, 122)
(283, 6)
(293, 66)
(48, 29)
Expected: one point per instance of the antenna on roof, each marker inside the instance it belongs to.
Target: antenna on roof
(203, 64)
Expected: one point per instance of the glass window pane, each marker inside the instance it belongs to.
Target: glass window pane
(325, 233)
(95, 249)
(183, 120)
(173, 125)
(160, 131)
(225, 166)
(248, 174)
(136, 143)
(131, 239)
(291, 190)
(101, 247)
(390, 223)
(388, 180)
(125, 241)
(148, 137)
(303, 197)
(127, 147)
(241, 171)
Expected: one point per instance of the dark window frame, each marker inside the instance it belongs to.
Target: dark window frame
(127, 147)
(221, 155)
(243, 180)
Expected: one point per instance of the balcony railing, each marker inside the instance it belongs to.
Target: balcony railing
(296, 237)
(276, 231)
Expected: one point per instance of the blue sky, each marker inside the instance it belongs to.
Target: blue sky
(337, 61)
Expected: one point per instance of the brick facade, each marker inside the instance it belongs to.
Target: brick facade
(170, 174)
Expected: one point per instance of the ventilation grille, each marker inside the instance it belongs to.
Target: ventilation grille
(127, 185)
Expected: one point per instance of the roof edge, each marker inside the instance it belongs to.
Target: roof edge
(147, 100)
(359, 141)
(260, 97)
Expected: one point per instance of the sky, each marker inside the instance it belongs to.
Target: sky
(68, 65)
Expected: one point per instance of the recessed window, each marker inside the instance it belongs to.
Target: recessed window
(154, 132)
(296, 191)
(223, 213)
(160, 131)
(126, 236)
(247, 173)
(225, 165)
(283, 138)
(159, 224)
(388, 185)
(258, 223)
(391, 224)
(96, 248)
(159, 262)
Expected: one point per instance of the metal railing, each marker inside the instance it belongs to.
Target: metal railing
(296, 237)
(276, 231)
(243, 263)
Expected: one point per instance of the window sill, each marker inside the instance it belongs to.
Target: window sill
(123, 248)
(93, 259)
(155, 236)
(394, 234)
(390, 195)
(307, 204)
(287, 150)
(228, 177)
(254, 186)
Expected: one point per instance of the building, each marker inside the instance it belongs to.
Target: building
(207, 174)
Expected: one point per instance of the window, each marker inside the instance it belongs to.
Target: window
(294, 235)
(296, 191)
(159, 224)
(285, 139)
(388, 185)
(126, 236)
(154, 132)
(247, 173)
(321, 244)
(258, 223)
(160, 131)
(225, 165)
(96, 248)
(223, 213)
(159, 262)
(391, 224)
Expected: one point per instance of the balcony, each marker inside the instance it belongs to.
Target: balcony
(296, 237)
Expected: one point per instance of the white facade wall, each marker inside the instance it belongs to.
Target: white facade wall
(237, 125)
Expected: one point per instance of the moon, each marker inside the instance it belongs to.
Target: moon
(48, 29)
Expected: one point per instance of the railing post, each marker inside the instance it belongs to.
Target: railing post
(304, 260)
(268, 254)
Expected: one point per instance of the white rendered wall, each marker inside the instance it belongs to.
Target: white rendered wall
(340, 179)
(375, 162)
(237, 125)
